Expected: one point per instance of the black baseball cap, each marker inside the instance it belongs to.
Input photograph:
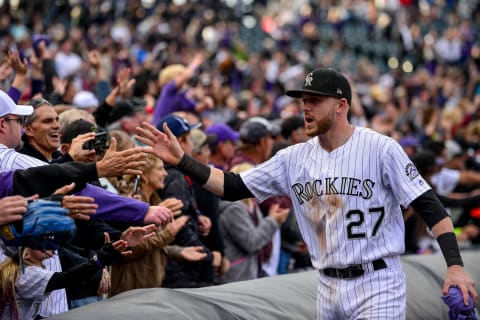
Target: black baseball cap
(76, 128)
(324, 82)
(126, 108)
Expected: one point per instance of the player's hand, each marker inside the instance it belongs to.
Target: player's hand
(163, 145)
(458, 276)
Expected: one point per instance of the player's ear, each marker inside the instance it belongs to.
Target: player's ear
(342, 104)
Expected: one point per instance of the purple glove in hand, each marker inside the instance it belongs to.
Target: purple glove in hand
(457, 309)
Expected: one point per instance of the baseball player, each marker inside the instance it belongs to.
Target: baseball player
(347, 185)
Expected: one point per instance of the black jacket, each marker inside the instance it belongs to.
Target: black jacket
(29, 150)
(181, 273)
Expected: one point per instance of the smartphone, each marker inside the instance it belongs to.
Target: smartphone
(136, 184)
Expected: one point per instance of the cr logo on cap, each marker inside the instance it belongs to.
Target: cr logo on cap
(308, 80)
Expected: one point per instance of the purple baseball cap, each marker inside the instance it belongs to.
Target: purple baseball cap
(222, 132)
(409, 141)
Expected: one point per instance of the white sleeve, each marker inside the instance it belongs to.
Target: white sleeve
(12, 160)
(32, 283)
(401, 176)
(269, 178)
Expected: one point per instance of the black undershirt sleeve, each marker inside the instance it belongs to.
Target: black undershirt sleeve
(75, 275)
(233, 187)
(44, 180)
(71, 277)
(429, 207)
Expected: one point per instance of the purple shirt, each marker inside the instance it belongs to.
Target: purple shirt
(171, 99)
(14, 93)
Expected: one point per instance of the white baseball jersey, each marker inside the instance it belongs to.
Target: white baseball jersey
(347, 201)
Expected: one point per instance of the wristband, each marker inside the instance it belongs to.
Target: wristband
(97, 261)
(451, 253)
(194, 169)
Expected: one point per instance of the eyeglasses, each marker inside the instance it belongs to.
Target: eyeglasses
(35, 103)
(20, 121)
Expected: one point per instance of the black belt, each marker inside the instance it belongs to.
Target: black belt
(352, 271)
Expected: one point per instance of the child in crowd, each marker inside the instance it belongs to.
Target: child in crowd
(25, 282)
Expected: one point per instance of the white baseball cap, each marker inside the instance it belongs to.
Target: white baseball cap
(8, 106)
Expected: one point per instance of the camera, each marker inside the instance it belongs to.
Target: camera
(99, 144)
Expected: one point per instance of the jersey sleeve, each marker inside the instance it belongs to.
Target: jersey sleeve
(32, 283)
(269, 178)
(401, 176)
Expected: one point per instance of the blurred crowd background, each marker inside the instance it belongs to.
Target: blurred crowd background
(413, 64)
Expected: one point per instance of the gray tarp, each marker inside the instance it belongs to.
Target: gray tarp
(291, 296)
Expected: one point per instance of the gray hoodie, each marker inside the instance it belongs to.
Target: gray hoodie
(243, 239)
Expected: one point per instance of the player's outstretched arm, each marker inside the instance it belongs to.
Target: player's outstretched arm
(165, 146)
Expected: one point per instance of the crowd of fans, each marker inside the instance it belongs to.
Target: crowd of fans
(215, 72)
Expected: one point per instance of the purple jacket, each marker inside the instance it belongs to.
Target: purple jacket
(170, 100)
(32, 181)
